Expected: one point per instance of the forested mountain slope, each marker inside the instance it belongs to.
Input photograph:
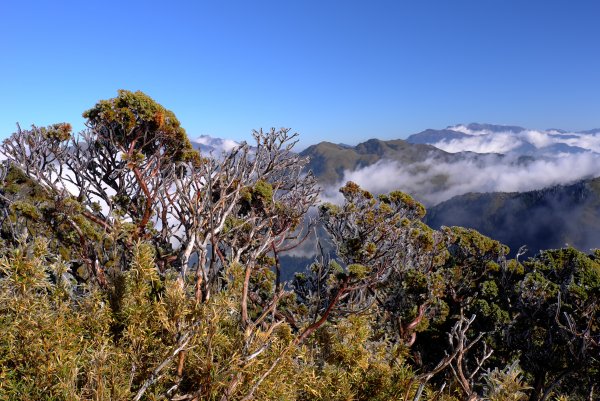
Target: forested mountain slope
(329, 161)
(549, 218)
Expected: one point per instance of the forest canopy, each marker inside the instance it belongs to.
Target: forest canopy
(132, 267)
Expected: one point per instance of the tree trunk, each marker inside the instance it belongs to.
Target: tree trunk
(538, 387)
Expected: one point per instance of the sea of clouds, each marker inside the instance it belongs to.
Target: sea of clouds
(215, 146)
(486, 141)
(532, 160)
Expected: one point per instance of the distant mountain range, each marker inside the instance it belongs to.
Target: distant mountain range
(207, 144)
(520, 186)
(329, 161)
(332, 163)
(507, 139)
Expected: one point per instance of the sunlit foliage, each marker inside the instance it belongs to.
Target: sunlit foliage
(133, 268)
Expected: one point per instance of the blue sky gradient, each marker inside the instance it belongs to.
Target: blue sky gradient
(342, 71)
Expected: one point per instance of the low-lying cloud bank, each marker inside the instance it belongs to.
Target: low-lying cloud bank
(524, 141)
(215, 146)
(530, 160)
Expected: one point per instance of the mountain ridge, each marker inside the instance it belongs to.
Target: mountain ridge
(506, 139)
(551, 217)
(330, 161)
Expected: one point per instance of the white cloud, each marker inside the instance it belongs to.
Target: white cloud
(591, 142)
(539, 139)
(432, 182)
(465, 130)
(216, 145)
(484, 141)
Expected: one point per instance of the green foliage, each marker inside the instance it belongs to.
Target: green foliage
(50, 348)
(357, 271)
(506, 384)
(256, 198)
(26, 209)
(350, 362)
(558, 301)
(109, 308)
(58, 132)
(131, 116)
(46, 338)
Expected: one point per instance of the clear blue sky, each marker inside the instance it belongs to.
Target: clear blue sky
(341, 71)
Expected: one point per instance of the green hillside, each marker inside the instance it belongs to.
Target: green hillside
(549, 218)
(328, 161)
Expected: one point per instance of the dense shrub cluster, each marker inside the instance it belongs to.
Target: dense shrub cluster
(133, 268)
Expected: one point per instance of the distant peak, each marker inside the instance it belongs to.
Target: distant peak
(478, 127)
(207, 144)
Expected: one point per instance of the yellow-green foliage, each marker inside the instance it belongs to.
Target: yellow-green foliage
(45, 338)
(58, 132)
(132, 114)
(506, 384)
(61, 346)
(60, 342)
(96, 313)
(348, 361)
